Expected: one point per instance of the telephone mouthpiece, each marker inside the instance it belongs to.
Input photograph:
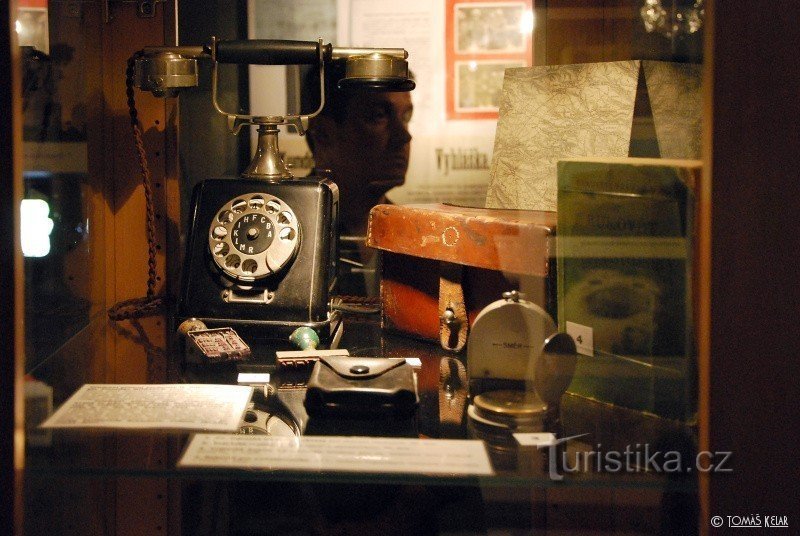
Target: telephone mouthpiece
(164, 74)
(378, 72)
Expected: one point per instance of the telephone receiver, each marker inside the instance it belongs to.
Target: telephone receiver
(262, 248)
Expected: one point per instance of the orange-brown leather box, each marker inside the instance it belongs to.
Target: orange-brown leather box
(441, 264)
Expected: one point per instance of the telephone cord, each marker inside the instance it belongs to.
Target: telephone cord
(151, 304)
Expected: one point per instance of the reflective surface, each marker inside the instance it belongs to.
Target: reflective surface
(530, 478)
(599, 426)
(63, 229)
(61, 219)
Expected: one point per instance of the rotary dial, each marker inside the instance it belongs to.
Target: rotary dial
(253, 236)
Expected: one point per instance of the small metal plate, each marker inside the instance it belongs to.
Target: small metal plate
(219, 344)
(515, 404)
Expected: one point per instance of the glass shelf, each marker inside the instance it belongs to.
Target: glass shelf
(93, 454)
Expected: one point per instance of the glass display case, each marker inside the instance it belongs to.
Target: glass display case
(561, 322)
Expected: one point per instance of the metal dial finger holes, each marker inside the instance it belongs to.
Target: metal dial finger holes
(253, 236)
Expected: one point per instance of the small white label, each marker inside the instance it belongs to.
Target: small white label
(312, 353)
(584, 338)
(252, 377)
(414, 362)
(540, 439)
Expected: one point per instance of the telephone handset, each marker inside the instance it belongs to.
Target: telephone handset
(261, 255)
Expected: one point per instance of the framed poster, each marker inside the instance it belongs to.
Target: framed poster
(483, 38)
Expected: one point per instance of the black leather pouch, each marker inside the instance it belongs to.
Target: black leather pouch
(361, 387)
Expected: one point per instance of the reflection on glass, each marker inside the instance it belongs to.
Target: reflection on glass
(680, 20)
(35, 227)
(55, 245)
(31, 28)
(59, 273)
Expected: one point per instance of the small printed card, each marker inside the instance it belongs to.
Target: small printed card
(217, 408)
(338, 454)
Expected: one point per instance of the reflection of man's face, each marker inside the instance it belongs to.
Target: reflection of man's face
(375, 133)
(368, 151)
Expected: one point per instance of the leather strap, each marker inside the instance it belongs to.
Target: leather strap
(452, 396)
(453, 321)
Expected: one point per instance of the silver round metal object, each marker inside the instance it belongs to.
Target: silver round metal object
(253, 236)
(496, 416)
(555, 368)
(165, 73)
(377, 70)
(517, 410)
(506, 340)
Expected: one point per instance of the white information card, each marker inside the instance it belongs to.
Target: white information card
(534, 439)
(338, 454)
(216, 408)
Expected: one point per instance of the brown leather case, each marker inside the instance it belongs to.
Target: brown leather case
(437, 256)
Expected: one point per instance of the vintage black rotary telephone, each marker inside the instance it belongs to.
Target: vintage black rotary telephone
(262, 251)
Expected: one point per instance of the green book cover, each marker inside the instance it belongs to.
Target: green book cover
(624, 250)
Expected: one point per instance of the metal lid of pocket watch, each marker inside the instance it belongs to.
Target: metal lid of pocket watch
(496, 416)
(515, 409)
(516, 340)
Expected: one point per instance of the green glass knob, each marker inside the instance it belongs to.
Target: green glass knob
(304, 338)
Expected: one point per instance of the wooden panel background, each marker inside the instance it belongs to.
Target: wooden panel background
(142, 505)
(583, 31)
(115, 269)
(586, 31)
